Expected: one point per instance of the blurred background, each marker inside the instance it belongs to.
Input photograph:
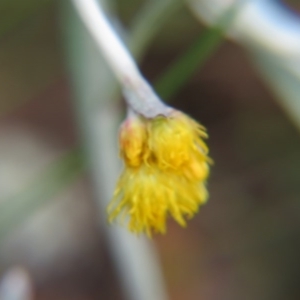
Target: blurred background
(243, 244)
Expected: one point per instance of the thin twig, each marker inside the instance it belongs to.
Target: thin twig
(99, 118)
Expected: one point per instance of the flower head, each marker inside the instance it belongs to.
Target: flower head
(166, 167)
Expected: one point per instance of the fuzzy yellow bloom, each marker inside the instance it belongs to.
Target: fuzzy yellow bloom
(166, 167)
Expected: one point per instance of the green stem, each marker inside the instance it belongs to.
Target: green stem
(178, 74)
(175, 77)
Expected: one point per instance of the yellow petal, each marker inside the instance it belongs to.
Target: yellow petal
(176, 143)
(148, 196)
(132, 139)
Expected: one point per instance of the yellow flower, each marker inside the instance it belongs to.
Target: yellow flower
(166, 167)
